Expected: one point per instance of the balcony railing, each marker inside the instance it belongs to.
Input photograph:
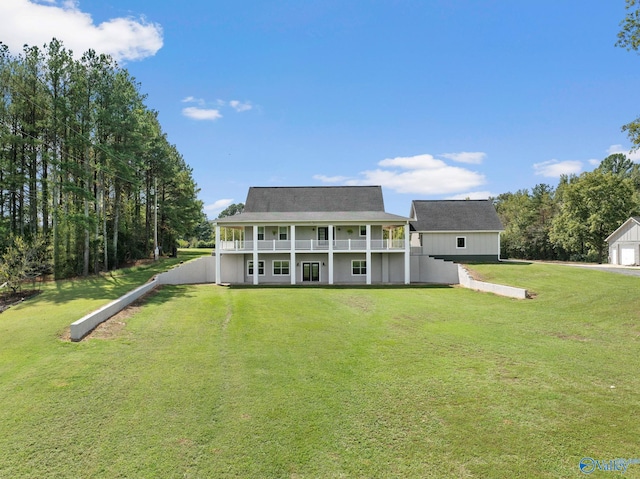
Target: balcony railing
(314, 245)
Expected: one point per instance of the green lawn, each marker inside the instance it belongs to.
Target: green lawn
(207, 381)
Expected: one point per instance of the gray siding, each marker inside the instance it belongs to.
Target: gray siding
(268, 276)
(231, 269)
(342, 272)
(444, 244)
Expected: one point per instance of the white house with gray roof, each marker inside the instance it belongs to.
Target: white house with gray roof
(306, 235)
(342, 235)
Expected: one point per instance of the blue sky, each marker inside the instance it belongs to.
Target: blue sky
(430, 99)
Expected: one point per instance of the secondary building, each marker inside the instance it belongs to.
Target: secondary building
(624, 243)
(456, 230)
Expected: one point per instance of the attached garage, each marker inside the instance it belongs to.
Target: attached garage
(624, 243)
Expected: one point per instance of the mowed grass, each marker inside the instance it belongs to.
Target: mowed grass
(207, 381)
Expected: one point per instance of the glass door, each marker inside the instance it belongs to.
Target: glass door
(311, 272)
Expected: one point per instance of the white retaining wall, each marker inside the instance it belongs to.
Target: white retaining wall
(468, 282)
(425, 269)
(85, 325)
(200, 270)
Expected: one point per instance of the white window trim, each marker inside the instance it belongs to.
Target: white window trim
(273, 267)
(360, 230)
(286, 232)
(250, 262)
(260, 232)
(465, 242)
(360, 261)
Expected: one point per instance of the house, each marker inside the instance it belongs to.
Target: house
(624, 243)
(307, 235)
(456, 230)
(342, 235)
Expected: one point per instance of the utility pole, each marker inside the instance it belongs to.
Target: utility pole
(156, 251)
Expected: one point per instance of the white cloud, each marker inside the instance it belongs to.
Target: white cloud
(196, 113)
(240, 106)
(421, 174)
(200, 112)
(471, 157)
(27, 22)
(593, 162)
(330, 179)
(555, 168)
(473, 195)
(217, 206)
(632, 155)
(193, 99)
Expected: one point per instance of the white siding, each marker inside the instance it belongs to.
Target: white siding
(631, 233)
(624, 248)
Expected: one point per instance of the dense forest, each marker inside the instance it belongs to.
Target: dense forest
(572, 220)
(83, 162)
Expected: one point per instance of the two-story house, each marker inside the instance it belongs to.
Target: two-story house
(306, 235)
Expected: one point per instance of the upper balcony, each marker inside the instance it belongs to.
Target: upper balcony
(306, 245)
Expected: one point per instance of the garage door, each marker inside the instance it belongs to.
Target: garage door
(627, 256)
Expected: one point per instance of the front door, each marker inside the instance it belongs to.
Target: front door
(311, 272)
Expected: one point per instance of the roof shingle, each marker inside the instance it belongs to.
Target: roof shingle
(314, 198)
(455, 215)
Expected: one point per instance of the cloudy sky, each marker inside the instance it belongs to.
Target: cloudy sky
(428, 98)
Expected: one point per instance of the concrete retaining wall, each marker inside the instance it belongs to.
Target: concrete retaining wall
(468, 282)
(425, 269)
(85, 325)
(200, 270)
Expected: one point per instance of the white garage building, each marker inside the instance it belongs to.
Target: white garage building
(624, 243)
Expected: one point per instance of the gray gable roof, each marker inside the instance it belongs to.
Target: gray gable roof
(455, 215)
(314, 204)
(314, 198)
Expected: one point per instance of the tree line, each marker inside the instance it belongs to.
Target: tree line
(572, 220)
(83, 162)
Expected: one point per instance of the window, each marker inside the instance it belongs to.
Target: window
(358, 267)
(260, 268)
(283, 233)
(461, 242)
(363, 230)
(323, 233)
(260, 233)
(281, 268)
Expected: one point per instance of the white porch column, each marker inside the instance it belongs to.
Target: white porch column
(330, 235)
(292, 264)
(255, 254)
(218, 248)
(499, 252)
(407, 255)
(368, 257)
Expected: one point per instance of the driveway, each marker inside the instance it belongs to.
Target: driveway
(609, 268)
